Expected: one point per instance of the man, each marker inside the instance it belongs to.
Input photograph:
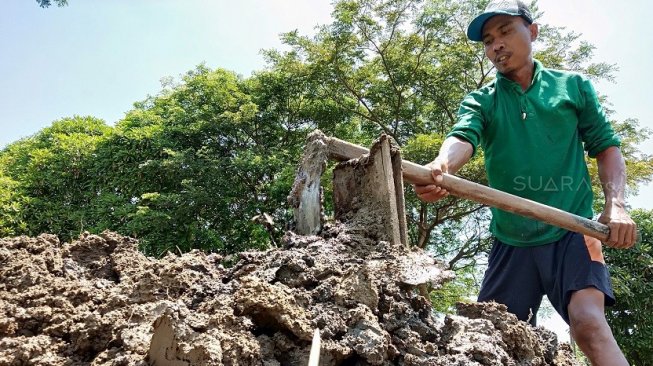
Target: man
(533, 124)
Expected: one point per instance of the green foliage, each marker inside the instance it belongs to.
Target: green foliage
(386, 63)
(453, 228)
(47, 3)
(51, 176)
(461, 289)
(639, 166)
(202, 159)
(631, 318)
(10, 207)
(188, 169)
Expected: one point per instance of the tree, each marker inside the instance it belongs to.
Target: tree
(190, 168)
(193, 166)
(10, 207)
(47, 3)
(631, 318)
(51, 180)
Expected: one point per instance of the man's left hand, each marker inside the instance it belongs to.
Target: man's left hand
(623, 230)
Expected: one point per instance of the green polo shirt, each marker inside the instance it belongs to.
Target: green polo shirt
(533, 142)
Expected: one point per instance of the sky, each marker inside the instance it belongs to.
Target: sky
(98, 57)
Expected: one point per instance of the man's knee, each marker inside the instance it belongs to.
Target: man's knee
(587, 317)
(586, 324)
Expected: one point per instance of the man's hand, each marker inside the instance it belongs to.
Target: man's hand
(454, 153)
(623, 230)
(433, 192)
(612, 173)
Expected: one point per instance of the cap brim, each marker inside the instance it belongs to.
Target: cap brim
(475, 29)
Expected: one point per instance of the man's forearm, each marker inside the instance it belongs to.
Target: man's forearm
(612, 173)
(455, 152)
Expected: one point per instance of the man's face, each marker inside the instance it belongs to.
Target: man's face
(507, 41)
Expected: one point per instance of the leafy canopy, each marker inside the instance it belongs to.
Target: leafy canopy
(47, 3)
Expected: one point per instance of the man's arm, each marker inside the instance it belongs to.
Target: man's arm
(612, 173)
(454, 153)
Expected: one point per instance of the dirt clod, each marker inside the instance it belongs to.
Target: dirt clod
(99, 301)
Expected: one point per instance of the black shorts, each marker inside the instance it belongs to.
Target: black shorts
(519, 276)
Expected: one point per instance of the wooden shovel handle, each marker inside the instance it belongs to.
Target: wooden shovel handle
(418, 174)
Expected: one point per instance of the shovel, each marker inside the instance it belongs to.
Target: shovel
(418, 174)
(314, 356)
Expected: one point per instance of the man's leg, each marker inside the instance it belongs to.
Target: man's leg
(590, 329)
(579, 288)
(512, 279)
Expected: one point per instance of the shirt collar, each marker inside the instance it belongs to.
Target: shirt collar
(536, 75)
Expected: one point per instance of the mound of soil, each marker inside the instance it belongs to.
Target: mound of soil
(99, 301)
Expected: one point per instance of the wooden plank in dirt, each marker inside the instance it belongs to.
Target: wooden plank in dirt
(366, 192)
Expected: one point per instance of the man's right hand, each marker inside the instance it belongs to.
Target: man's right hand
(433, 192)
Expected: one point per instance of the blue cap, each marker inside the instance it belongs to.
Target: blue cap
(497, 7)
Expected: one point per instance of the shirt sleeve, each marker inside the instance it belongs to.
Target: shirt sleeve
(595, 129)
(470, 122)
